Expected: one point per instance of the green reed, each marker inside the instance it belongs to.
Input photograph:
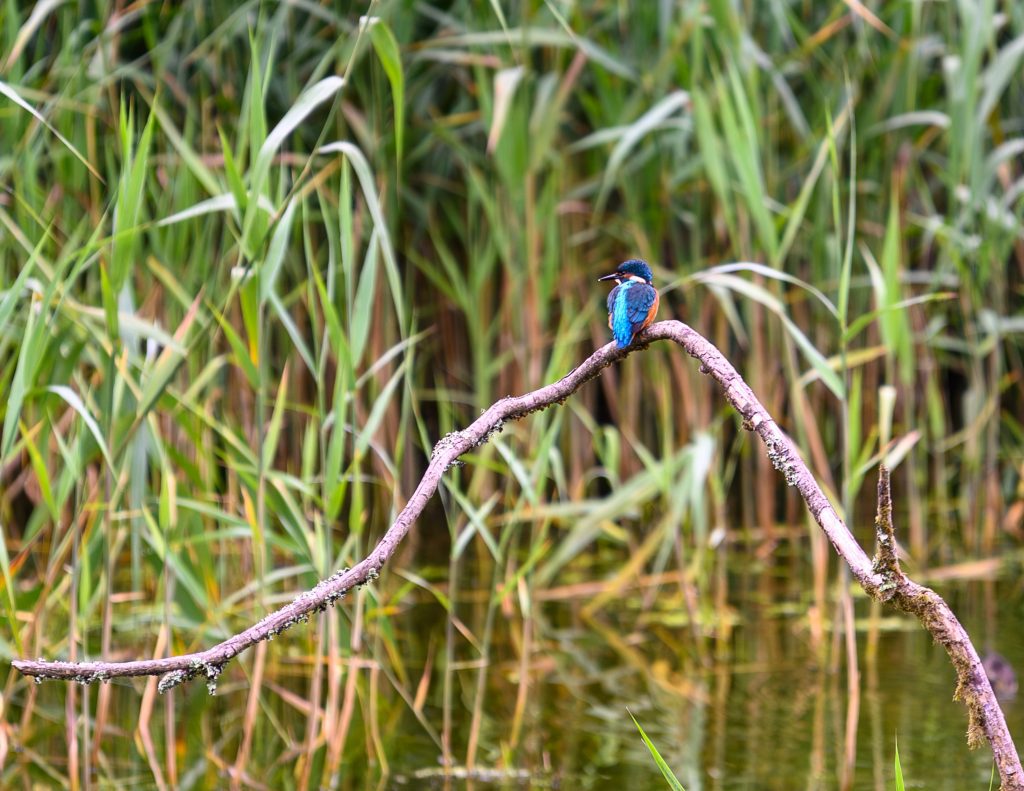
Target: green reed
(256, 259)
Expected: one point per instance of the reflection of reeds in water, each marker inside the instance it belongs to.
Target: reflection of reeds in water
(232, 355)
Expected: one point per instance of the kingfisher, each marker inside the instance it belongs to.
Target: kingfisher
(633, 302)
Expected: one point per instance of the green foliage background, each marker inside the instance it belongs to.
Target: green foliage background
(257, 258)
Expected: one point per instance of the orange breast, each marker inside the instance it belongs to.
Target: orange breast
(651, 313)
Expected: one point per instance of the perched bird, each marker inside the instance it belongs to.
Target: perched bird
(633, 302)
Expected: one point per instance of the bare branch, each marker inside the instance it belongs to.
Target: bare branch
(882, 578)
(985, 717)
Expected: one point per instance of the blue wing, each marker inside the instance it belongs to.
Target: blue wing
(631, 307)
(639, 301)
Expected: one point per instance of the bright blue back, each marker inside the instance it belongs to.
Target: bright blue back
(622, 327)
(629, 304)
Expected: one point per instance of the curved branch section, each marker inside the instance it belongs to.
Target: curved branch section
(881, 579)
(973, 687)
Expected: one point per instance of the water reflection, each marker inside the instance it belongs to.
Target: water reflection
(769, 711)
(1001, 675)
(738, 695)
(771, 714)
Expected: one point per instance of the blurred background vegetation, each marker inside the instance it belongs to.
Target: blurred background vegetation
(256, 258)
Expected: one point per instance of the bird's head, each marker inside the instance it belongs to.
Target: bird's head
(633, 269)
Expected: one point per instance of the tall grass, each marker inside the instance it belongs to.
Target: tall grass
(256, 259)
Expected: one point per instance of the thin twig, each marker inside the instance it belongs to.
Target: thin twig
(882, 579)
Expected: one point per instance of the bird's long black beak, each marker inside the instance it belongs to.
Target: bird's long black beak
(612, 276)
